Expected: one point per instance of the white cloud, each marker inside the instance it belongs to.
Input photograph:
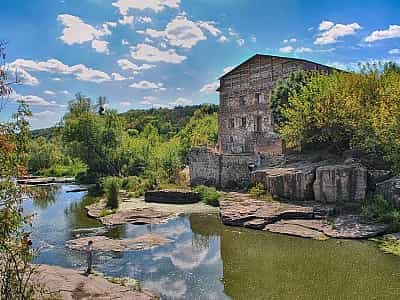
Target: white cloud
(145, 19)
(253, 39)
(180, 32)
(81, 72)
(303, 49)
(286, 49)
(49, 92)
(394, 51)
(33, 100)
(147, 85)
(181, 102)
(223, 39)
(56, 79)
(172, 289)
(118, 77)
(152, 54)
(325, 25)
(125, 42)
(100, 46)
(240, 42)
(157, 5)
(125, 103)
(65, 92)
(22, 76)
(210, 87)
(126, 64)
(210, 27)
(78, 32)
(331, 35)
(292, 40)
(392, 32)
(126, 20)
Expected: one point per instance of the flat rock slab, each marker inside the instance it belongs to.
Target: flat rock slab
(293, 229)
(102, 243)
(72, 285)
(137, 216)
(237, 213)
(172, 196)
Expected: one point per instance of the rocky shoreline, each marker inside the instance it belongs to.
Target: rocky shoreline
(308, 220)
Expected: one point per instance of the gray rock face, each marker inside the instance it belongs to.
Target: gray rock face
(390, 189)
(340, 183)
(377, 176)
(172, 196)
(293, 182)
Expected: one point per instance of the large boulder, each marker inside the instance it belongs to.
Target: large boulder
(377, 176)
(390, 190)
(292, 182)
(340, 183)
(172, 196)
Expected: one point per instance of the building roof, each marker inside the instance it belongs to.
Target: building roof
(275, 56)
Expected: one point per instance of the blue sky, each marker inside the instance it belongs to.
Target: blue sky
(152, 53)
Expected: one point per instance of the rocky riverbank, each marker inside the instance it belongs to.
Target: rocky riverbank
(309, 220)
(72, 284)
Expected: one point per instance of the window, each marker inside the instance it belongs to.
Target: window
(242, 100)
(244, 122)
(231, 139)
(231, 123)
(258, 98)
(258, 124)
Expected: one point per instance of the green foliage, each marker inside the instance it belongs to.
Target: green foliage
(111, 187)
(283, 89)
(389, 245)
(381, 210)
(258, 192)
(347, 110)
(208, 195)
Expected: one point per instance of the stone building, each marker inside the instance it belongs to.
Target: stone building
(245, 120)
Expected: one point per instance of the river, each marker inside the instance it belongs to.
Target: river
(208, 260)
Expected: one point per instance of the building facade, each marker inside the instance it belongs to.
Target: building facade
(245, 121)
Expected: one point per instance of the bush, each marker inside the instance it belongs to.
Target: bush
(257, 191)
(381, 210)
(111, 187)
(208, 195)
(131, 183)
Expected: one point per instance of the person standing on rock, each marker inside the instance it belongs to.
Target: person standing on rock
(89, 253)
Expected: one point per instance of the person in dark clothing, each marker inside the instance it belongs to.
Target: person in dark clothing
(89, 253)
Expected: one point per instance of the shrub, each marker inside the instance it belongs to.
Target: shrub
(131, 183)
(381, 210)
(257, 191)
(111, 187)
(208, 195)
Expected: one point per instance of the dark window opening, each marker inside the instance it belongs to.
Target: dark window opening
(258, 98)
(244, 122)
(231, 123)
(258, 124)
(242, 100)
(231, 139)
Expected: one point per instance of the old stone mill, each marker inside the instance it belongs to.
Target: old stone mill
(246, 129)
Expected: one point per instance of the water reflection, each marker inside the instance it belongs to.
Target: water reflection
(44, 196)
(206, 260)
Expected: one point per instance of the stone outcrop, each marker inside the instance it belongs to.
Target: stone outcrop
(390, 190)
(138, 216)
(292, 182)
(102, 243)
(172, 196)
(308, 221)
(71, 284)
(377, 176)
(340, 183)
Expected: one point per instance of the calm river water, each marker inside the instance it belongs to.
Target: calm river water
(207, 260)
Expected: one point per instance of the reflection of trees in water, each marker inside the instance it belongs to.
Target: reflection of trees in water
(44, 196)
(117, 232)
(204, 227)
(76, 214)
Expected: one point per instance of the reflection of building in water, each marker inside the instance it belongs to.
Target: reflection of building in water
(245, 121)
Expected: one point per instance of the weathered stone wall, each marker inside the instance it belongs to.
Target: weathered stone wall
(245, 120)
(226, 171)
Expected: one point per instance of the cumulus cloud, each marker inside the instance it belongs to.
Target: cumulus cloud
(80, 71)
(78, 32)
(147, 85)
(286, 49)
(118, 77)
(149, 53)
(303, 50)
(126, 64)
(334, 32)
(21, 75)
(125, 42)
(210, 87)
(210, 27)
(49, 92)
(325, 25)
(126, 20)
(394, 51)
(181, 102)
(392, 32)
(240, 42)
(156, 5)
(292, 40)
(223, 39)
(33, 100)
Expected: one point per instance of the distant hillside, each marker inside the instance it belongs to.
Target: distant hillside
(168, 121)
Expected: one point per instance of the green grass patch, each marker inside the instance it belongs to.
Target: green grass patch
(258, 192)
(381, 210)
(389, 245)
(208, 195)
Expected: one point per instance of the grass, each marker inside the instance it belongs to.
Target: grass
(208, 195)
(389, 245)
(259, 192)
(111, 186)
(64, 170)
(381, 210)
